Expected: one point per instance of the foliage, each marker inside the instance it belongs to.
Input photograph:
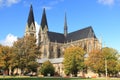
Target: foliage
(6, 57)
(47, 68)
(26, 53)
(112, 60)
(118, 66)
(32, 66)
(96, 60)
(56, 78)
(73, 60)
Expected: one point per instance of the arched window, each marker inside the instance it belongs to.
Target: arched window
(58, 53)
(32, 28)
(45, 53)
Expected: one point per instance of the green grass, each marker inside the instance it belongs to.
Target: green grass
(51, 78)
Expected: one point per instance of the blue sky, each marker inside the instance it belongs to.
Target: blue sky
(102, 15)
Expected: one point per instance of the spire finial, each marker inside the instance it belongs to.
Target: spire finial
(65, 26)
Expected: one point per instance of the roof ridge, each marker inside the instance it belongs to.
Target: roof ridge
(56, 32)
(81, 29)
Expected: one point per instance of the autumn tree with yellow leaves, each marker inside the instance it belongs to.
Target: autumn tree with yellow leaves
(6, 58)
(99, 59)
(73, 60)
(26, 52)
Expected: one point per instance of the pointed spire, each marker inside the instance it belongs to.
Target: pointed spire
(65, 23)
(44, 20)
(65, 26)
(30, 17)
(30, 27)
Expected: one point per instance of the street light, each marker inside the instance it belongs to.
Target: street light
(106, 68)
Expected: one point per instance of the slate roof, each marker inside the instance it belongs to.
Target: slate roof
(73, 36)
(81, 34)
(30, 17)
(56, 37)
(54, 60)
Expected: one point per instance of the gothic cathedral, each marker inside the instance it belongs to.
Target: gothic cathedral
(52, 44)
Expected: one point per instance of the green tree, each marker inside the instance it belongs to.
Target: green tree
(73, 60)
(26, 54)
(118, 65)
(96, 61)
(6, 58)
(110, 55)
(47, 68)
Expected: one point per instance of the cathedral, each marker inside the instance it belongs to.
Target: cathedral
(52, 44)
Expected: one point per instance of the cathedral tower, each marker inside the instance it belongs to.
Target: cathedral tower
(43, 27)
(42, 36)
(65, 27)
(30, 27)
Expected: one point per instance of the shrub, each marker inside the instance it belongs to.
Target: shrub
(47, 68)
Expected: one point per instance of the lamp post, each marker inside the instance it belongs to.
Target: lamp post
(106, 68)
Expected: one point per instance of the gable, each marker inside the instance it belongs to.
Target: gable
(81, 34)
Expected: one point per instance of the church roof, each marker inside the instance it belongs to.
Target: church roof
(81, 34)
(30, 17)
(73, 36)
(54, 60)
(56, 37)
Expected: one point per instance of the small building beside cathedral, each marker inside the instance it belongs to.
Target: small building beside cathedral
(52, 44)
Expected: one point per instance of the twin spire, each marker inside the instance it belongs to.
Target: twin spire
(30, 27)
(31, 17)
(44, 20)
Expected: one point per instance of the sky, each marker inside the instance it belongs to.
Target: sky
(102, 15)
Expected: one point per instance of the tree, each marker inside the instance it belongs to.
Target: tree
(110, 55)
(47, 68)
(118, 64)
(96, 60)
(26, 54)
(6, 58)
(73, 60)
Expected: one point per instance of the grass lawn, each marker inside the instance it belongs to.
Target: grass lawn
(36, 78)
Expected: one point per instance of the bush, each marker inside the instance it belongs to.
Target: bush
(47, 68)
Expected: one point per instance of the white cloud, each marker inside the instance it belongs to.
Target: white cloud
(106, 2)
(1, 3)
(47, 7)
(50, 4)
(37, 29)
(9, 40)
(8, 2)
